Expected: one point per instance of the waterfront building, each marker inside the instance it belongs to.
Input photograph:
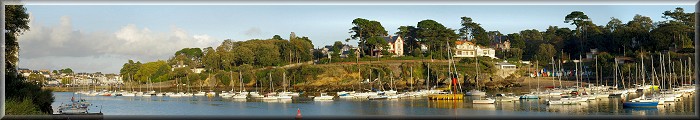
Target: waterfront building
(469, 49)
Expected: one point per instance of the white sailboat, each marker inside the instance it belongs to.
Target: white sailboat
(324, 96)
(476, 91)
(241, 93)
(285, 94)
(271, 95)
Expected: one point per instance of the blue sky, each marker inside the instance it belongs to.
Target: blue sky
(92, 38)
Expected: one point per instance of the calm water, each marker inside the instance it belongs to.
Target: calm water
(218, 106)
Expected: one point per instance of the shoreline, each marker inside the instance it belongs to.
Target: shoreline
(525, 85)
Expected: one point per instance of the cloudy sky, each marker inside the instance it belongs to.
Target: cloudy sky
(101, 38)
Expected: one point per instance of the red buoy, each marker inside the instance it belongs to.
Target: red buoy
(298, 113)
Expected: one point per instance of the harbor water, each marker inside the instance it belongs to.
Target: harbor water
(121, 105)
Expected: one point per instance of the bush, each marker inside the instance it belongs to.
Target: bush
(17, 89)
(21, 107)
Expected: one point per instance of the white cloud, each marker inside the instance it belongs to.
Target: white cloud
(129, 42)
(253, 32)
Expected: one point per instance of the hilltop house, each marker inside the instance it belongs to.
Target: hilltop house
(344, 51)
(469, 49)
(500, 43)
(395, 45)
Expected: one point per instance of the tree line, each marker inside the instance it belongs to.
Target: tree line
(617, 38)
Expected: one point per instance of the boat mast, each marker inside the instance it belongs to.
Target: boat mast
(240, 80)
(597, 82)
(271, 88)
(284, 80)
(537, 76)
(561, 70)
(411, 78)
(554, 85)
(476, 57)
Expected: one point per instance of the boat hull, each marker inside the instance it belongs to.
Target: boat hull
(640, 104)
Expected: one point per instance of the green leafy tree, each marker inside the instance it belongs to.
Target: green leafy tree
(337, 49)
(672, 36)
(266, 55)
(577, 18)
(436, 36)
(365, 29)
(66, 70)
(212, 60)
(18, 91)
(516, 41)
(410, 35)
(277, 37)
(376, 43)
(244, 55)
(678, 15)
(545, 53)
(226, 54)
(473, 31)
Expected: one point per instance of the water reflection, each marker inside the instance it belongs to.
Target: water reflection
(226, 106)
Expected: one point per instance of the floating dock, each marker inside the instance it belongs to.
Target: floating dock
(446, 97)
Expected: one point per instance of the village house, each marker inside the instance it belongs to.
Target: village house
(500, 43)
(469, 49)
(395, 45)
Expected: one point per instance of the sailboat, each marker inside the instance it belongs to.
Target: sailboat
(391, 93)
(476, 91)
(228, 94)
(453, 93)
(532, 95)
(642, 101)
(377, 95)
(241, 93)
(271, 95)
(284, 94)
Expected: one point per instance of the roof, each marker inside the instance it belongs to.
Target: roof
(504, 63)
(459, 42)
(390, 39)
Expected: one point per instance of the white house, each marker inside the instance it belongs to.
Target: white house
(469, 49)
(505, 65)
(395, 45)
(197, 70)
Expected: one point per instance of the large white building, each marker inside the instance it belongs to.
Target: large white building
(469, 49)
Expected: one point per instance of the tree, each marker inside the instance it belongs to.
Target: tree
(515, 53)
(16, 19)
(516, 41)
(671, 36)
(365, 29)
(545, 53)
(376, 43)
(66, 70)
(243, 55)
(436, 36)
(226, 53)
(409, 34)
(212, 60)
(614, 24)
(16, 22)
(577, 18)
(473, 31)
(337, 49)
(194, 54)
(266, 55)
(679, 16)
(277, 37)
(153, 72)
